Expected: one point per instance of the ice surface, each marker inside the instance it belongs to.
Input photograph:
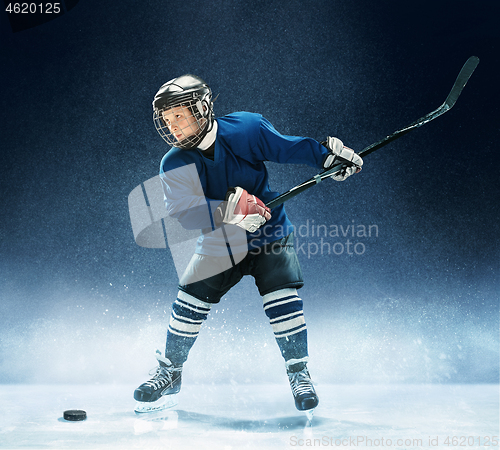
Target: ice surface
(227, 417)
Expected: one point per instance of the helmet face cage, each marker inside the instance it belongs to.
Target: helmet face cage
(183, 120)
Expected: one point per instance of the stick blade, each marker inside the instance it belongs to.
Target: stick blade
(462, 78)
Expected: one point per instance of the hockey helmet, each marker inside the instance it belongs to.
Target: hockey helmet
(183, 111)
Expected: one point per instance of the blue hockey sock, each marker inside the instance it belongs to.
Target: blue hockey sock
(188, 314)
(284, 309)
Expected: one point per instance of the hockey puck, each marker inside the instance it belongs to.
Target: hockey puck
(75, 415)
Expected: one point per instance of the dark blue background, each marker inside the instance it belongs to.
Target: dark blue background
(77, 137)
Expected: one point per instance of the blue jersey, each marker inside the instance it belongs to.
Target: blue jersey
(194, 185)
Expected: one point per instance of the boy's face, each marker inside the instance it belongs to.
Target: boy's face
(180, 122)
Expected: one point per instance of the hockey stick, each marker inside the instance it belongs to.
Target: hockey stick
(456, 90)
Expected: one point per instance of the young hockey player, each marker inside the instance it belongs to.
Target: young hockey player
(214, 179)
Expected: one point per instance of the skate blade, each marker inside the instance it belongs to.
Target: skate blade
(310, 414)
(165, 402)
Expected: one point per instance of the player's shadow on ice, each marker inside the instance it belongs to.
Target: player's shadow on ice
(258, 426)
(187, 419)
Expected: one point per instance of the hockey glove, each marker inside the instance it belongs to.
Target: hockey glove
(242, 209)
(351, 162)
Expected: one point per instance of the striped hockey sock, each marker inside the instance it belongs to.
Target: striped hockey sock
(188, 314)
(284, 309)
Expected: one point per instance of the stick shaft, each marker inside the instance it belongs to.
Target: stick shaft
(456, 90)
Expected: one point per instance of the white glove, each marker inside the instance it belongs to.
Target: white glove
(351, 161)
(243, 209)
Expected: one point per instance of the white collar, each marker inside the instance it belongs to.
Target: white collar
(209, 139)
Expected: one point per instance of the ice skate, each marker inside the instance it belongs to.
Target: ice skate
(160, 391)
(303, 391)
